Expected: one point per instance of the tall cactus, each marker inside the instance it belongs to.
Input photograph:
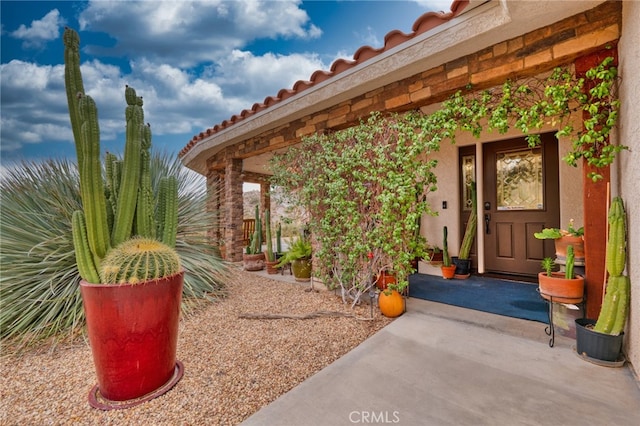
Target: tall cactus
(446, 259)
(112, 210)
(279, 238)
(128, 196)
(256, 240)
(615, 306)
(271, 257)
(568, 268)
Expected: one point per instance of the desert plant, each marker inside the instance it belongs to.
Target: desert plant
(615, 305)
(568, 268)
(271, 257)
(39, 280)
(255, 243)
(102, 224)
(279, 238)
(446, 259)
(547, 265)
(472, 224)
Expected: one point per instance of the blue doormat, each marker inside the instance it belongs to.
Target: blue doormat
(496, 296)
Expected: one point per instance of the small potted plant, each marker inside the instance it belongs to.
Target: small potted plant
(601, 341)
(561, 287)
(448, 269)
(299, 255)
(562, 238)
(253, 258)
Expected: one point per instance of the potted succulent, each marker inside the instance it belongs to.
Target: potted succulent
(562, 238)
(561, 287)
(448, 269)
(299, 255)
(601, 341)
(253, 258)
(131, 283)
(462, 261)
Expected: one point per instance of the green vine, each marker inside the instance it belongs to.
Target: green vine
(364, 189)
(531, 104)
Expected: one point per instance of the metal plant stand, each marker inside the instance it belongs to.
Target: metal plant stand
(550, 329)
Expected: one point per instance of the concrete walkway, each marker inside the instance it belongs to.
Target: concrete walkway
(443, 365)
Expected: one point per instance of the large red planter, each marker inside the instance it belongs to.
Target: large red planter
(133, 331)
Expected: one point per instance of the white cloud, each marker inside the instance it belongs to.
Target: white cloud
(191, 32)
(40, 32)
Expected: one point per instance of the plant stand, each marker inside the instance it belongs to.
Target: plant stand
(550, 329)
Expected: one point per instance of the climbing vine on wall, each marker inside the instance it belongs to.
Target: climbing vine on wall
(531, 104)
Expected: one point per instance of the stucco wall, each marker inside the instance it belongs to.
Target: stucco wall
(629, 165)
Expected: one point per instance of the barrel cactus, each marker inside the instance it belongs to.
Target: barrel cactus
(122, 206)
(137, 260)
(615, 306)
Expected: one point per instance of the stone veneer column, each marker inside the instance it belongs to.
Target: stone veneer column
(215, 194)
(233, 211)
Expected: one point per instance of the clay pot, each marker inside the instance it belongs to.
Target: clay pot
(448, 272)
(560, 289)
(133, 331)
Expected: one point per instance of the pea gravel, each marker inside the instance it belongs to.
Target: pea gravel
(233, 366)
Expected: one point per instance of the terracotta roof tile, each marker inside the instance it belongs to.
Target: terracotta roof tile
(394, 38)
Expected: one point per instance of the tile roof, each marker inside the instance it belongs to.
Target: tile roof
(424, 23)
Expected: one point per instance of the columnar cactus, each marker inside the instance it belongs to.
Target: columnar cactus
(114, 209)
(568, 269)
(271, 257)
(446, 259)
(615, 306)
(256, 239)
(279, 238)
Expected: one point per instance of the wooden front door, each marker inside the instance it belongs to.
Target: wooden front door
(521, 196)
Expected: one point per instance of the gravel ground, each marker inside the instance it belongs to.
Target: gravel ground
(233, 366)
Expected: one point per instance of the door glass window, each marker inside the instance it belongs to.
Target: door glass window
(468, 176)
(519, 182)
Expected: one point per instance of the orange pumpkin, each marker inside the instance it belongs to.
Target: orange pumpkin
(391, 303)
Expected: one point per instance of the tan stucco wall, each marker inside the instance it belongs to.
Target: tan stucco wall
(629, 165)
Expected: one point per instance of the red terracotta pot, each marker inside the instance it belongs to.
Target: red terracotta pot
(384, 279)
(563, 242)
(561, 289)
(133, 331)
(448, 272)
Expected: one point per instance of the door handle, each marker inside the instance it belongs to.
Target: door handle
(487, 219)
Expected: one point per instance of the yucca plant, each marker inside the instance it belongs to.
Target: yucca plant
(39, 280)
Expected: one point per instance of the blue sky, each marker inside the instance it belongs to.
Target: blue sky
(195, 63)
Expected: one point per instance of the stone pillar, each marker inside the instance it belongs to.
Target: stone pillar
(233, 210)
(215, 196)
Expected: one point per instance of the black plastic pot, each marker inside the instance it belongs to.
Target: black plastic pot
(463, 266)
(598, 346)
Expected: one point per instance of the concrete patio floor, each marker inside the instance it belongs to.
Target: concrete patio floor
(442, 365)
